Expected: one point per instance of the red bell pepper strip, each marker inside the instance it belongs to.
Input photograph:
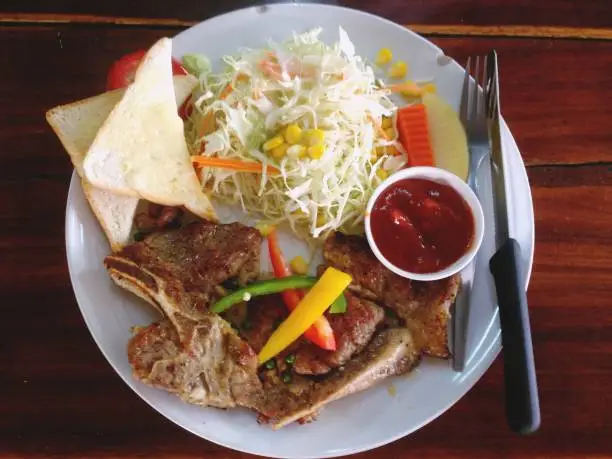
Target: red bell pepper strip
(320, 333)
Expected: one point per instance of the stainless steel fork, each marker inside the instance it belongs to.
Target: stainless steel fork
(473, 116)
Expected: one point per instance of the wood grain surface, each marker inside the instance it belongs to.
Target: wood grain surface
(564, 13)
(60, 398)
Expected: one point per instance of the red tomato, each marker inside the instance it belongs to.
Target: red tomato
(121, 73)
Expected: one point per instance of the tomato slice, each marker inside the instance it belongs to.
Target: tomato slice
(121, 73)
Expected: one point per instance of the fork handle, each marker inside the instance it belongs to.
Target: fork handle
(522, 404)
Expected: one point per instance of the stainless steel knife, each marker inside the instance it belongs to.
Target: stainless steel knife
(521, 392)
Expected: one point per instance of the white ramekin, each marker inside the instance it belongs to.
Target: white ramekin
(446, 178)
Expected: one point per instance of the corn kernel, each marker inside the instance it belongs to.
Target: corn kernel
(379, 151)
(429, 88)
(393, 151)
(273, 143)
(398, 70)
(314, 137)
(293, 134)
(316, 151)
(390, 133)
(384, 56)
(411, 90)
(264, 228)
(387, 122)
(382, 174)
(280, 151)
(299, 265)
(321, 220)
(296, 151)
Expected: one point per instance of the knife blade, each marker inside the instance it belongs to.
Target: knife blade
(521, 392)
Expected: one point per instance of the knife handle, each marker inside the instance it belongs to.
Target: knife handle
(522, 404)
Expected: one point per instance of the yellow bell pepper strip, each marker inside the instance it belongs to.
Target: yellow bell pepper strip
(320, 332)
(329, 287)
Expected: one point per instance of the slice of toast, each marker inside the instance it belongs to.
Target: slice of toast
(141, 150)
(76, 125)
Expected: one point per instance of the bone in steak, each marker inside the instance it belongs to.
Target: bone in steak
(424, 306)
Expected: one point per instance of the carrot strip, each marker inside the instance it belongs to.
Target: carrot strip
(226, 92)
(233, 164)
(414, 135)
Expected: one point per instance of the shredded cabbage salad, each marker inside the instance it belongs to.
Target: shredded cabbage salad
(315, 86)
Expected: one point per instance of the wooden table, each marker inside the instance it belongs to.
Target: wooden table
(60, 398)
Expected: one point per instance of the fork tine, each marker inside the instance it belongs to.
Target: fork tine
(485, 85)
(475, 93)
(465, 95)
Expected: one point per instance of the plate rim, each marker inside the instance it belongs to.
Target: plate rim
(488, 358)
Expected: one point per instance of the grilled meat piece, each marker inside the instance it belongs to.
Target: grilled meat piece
(391, 352)
(178, 271)
(202, 254)
(213, 368)
(352, 329)
(423, 306)
(264, 314)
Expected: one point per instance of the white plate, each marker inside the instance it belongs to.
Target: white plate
(359, 422)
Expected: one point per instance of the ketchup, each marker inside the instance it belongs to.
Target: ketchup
(421, 226)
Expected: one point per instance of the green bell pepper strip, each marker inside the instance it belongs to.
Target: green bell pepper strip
(271, 286)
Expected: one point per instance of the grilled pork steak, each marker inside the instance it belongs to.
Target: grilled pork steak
(198, 356)
(201, 255)
(214, 368)
(179, 271)
(352, 329)
(192, 352)
(391, 352)
(424, 306)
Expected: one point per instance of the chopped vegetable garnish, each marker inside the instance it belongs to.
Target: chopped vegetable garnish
(314, 137)
(382, 174)
(384, 56)
(226, 92)
(196, 64)
(339, 306)
(293, 134)
(414, 135)
(264, 228)
(233, 164)
(412, 90)
(329, 287)
(272, 143)
(316, 151)
(320, 333)
(287, 377)
(398, 70)
(290, 359)
(270, 364)
(299, 265)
